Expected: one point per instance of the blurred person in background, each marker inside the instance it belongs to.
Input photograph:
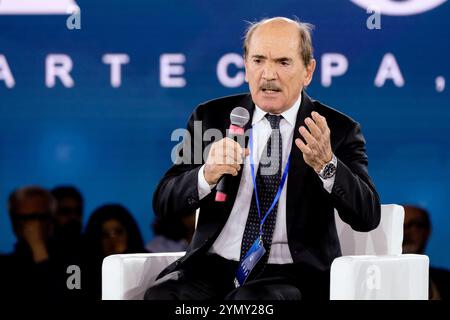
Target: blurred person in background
(66, 239)
(111, 229)
(68, 216)
(172, 235)
(416, 233)
(28, 271)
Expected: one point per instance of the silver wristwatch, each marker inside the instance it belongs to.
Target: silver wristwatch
(329, 169)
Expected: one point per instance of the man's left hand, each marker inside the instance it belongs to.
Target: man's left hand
(317, 150)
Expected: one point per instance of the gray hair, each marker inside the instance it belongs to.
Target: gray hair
(305, 29)
(21, 194)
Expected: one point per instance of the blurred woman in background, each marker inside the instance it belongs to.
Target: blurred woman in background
(111, 229)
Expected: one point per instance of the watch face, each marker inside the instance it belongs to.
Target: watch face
(329, 171)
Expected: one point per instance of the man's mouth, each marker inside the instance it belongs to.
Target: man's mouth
(271, 90)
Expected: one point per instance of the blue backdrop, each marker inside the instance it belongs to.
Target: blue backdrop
(114, 142)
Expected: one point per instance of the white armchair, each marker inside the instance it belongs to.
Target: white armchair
(372, 266)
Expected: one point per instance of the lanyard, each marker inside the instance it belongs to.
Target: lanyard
(280, 188)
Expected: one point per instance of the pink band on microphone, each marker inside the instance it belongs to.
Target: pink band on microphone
(236, 130)
(220, 196)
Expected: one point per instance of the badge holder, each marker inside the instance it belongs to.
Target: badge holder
(251, 258)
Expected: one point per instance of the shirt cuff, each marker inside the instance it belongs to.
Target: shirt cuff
(203, 186)
(328, 183)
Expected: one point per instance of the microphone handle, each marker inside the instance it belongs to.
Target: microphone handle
(221, 188)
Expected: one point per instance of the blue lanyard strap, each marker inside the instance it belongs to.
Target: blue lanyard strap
(280, 188)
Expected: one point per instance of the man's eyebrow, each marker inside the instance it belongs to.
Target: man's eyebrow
(258, 56)
(283, 59)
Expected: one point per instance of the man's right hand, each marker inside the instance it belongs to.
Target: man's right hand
(224, 157)
(33, 233)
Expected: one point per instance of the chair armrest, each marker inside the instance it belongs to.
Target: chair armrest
(127, 276)
(401, 277)
(386, 239)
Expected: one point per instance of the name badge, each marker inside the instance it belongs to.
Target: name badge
(251, 258)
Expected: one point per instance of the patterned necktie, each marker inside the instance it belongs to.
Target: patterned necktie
(267, 183)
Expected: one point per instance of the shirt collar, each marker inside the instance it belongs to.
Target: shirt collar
(290, 114)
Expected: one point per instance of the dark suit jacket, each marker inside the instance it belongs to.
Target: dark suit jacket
(311, 229)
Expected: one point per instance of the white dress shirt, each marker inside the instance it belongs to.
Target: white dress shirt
(228, 243)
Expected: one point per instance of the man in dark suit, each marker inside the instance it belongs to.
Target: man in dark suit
(288, 224)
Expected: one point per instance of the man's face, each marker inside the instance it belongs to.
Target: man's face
(69, 210)
(273, 67)
(32, 219)
(415, 231)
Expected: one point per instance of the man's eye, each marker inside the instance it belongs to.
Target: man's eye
(284, 63)
(257, 61)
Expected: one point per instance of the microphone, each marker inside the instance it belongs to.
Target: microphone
(239, 118)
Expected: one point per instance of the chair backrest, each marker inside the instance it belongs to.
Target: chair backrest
(386, 239)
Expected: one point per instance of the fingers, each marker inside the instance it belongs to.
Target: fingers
(230, 143)
(231, 148)
(227, 156)
(316, 147)
(318, 129)
(219, 157)
(320, 121)
(310, 140)
(213, 172)
(303, 147)
(230, 169)
(226, 151)
(313, 128)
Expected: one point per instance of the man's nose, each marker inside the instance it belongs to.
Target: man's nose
(269, 72)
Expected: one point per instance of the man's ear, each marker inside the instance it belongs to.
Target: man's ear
(309, 72)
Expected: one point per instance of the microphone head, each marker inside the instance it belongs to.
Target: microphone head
(239, 117)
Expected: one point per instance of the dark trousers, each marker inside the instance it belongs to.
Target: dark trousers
(211, 277)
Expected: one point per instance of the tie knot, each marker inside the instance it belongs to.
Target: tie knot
(274, 120)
